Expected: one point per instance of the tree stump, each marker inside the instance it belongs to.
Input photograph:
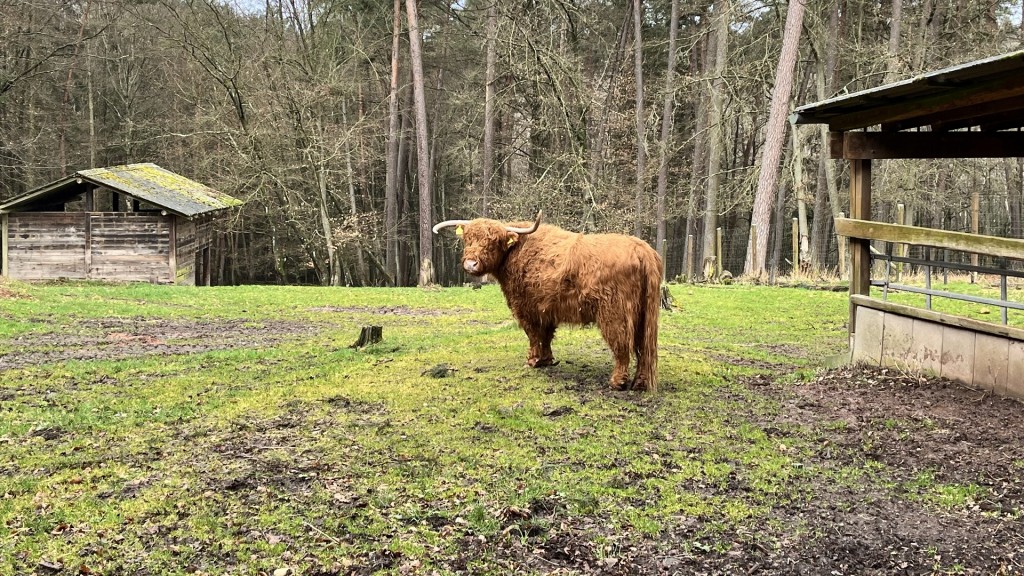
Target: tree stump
(369, 335)
(666, 298)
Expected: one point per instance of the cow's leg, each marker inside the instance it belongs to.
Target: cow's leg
(540, 345)
(546, 356)
(618, 333)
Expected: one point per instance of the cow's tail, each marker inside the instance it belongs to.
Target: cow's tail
(647, 327)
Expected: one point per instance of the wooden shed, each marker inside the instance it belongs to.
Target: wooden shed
(974, 110)
(137, 222)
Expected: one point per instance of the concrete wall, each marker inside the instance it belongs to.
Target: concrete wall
(977, 359)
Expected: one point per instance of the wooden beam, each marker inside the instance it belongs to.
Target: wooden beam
(939, 318)
(1002, 87)
(961, 117)
(891, 145)
(963, 241)
(860, 248)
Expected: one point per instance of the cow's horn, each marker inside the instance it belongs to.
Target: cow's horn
(530, 230)
(449, 224)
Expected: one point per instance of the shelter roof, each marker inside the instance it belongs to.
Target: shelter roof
(145, 182)
(985, 95)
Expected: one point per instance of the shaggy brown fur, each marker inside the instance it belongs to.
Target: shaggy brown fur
(552, 277)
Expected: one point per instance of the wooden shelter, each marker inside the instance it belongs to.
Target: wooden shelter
(975, 110)
(137, 222)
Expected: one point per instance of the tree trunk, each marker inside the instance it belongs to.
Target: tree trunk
(641, 132)
(775, 138)
(1014, 168)
(895, 22)
(699, 66)
(361, 271)
(827, 182)
(405, 182)
(422, 138)
(333, 264)
(800, 192)
(391, 181)
(67, 94)
(487, 177)
(716, 127)
(665, 145)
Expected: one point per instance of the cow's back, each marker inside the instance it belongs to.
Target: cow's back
(557, 277)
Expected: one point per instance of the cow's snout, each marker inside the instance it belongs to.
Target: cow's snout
(470, 266)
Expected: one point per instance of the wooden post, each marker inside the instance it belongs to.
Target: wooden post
(975, 227)
(796, 246)
(88, 245)
(206, 266)
(842, 253)
(689, 258)
(90, 199)
(753, 248)
(662, 250)
(860, 249)
(172, 256)
(901, 249)
(4, 240)
(719, 263)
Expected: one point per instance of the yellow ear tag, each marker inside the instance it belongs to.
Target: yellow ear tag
(511, 241)
(458, 230)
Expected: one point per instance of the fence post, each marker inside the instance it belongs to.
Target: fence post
(796, 247)
(689, 258)
(842, 252)
(664, 258)
(975, 229)
(860, 248)
(753, 250)
(901, 249)
(719, 265)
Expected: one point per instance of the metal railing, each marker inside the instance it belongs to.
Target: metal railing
(929, 265)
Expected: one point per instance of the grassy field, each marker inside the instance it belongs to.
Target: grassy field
(173, 430)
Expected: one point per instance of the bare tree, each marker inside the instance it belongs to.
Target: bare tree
(422, 140)
(665, 143)
(641, 132)
(391, 156)
(487, 177)
(775, 139)
(716, 126)
(824, 79)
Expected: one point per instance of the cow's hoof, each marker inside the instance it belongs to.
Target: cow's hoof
(639, 386)
(619, 386)
(541, 362)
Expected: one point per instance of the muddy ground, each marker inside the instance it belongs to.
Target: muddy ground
(909, 424)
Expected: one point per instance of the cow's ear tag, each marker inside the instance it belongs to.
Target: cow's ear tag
(511, 241)
(458, 230)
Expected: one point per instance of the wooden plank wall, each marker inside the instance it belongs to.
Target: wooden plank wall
(46, 245)
(185, 241)
(122, 246)
(191, 237)
(130, 247)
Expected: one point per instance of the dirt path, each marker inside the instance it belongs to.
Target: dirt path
(913, 432)
(120, 338)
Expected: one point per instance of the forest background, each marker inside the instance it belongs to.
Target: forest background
(351, 126)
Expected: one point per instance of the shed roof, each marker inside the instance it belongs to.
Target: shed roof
(145, 182)
(985, 94)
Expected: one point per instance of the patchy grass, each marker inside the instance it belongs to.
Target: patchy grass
(173, 430)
